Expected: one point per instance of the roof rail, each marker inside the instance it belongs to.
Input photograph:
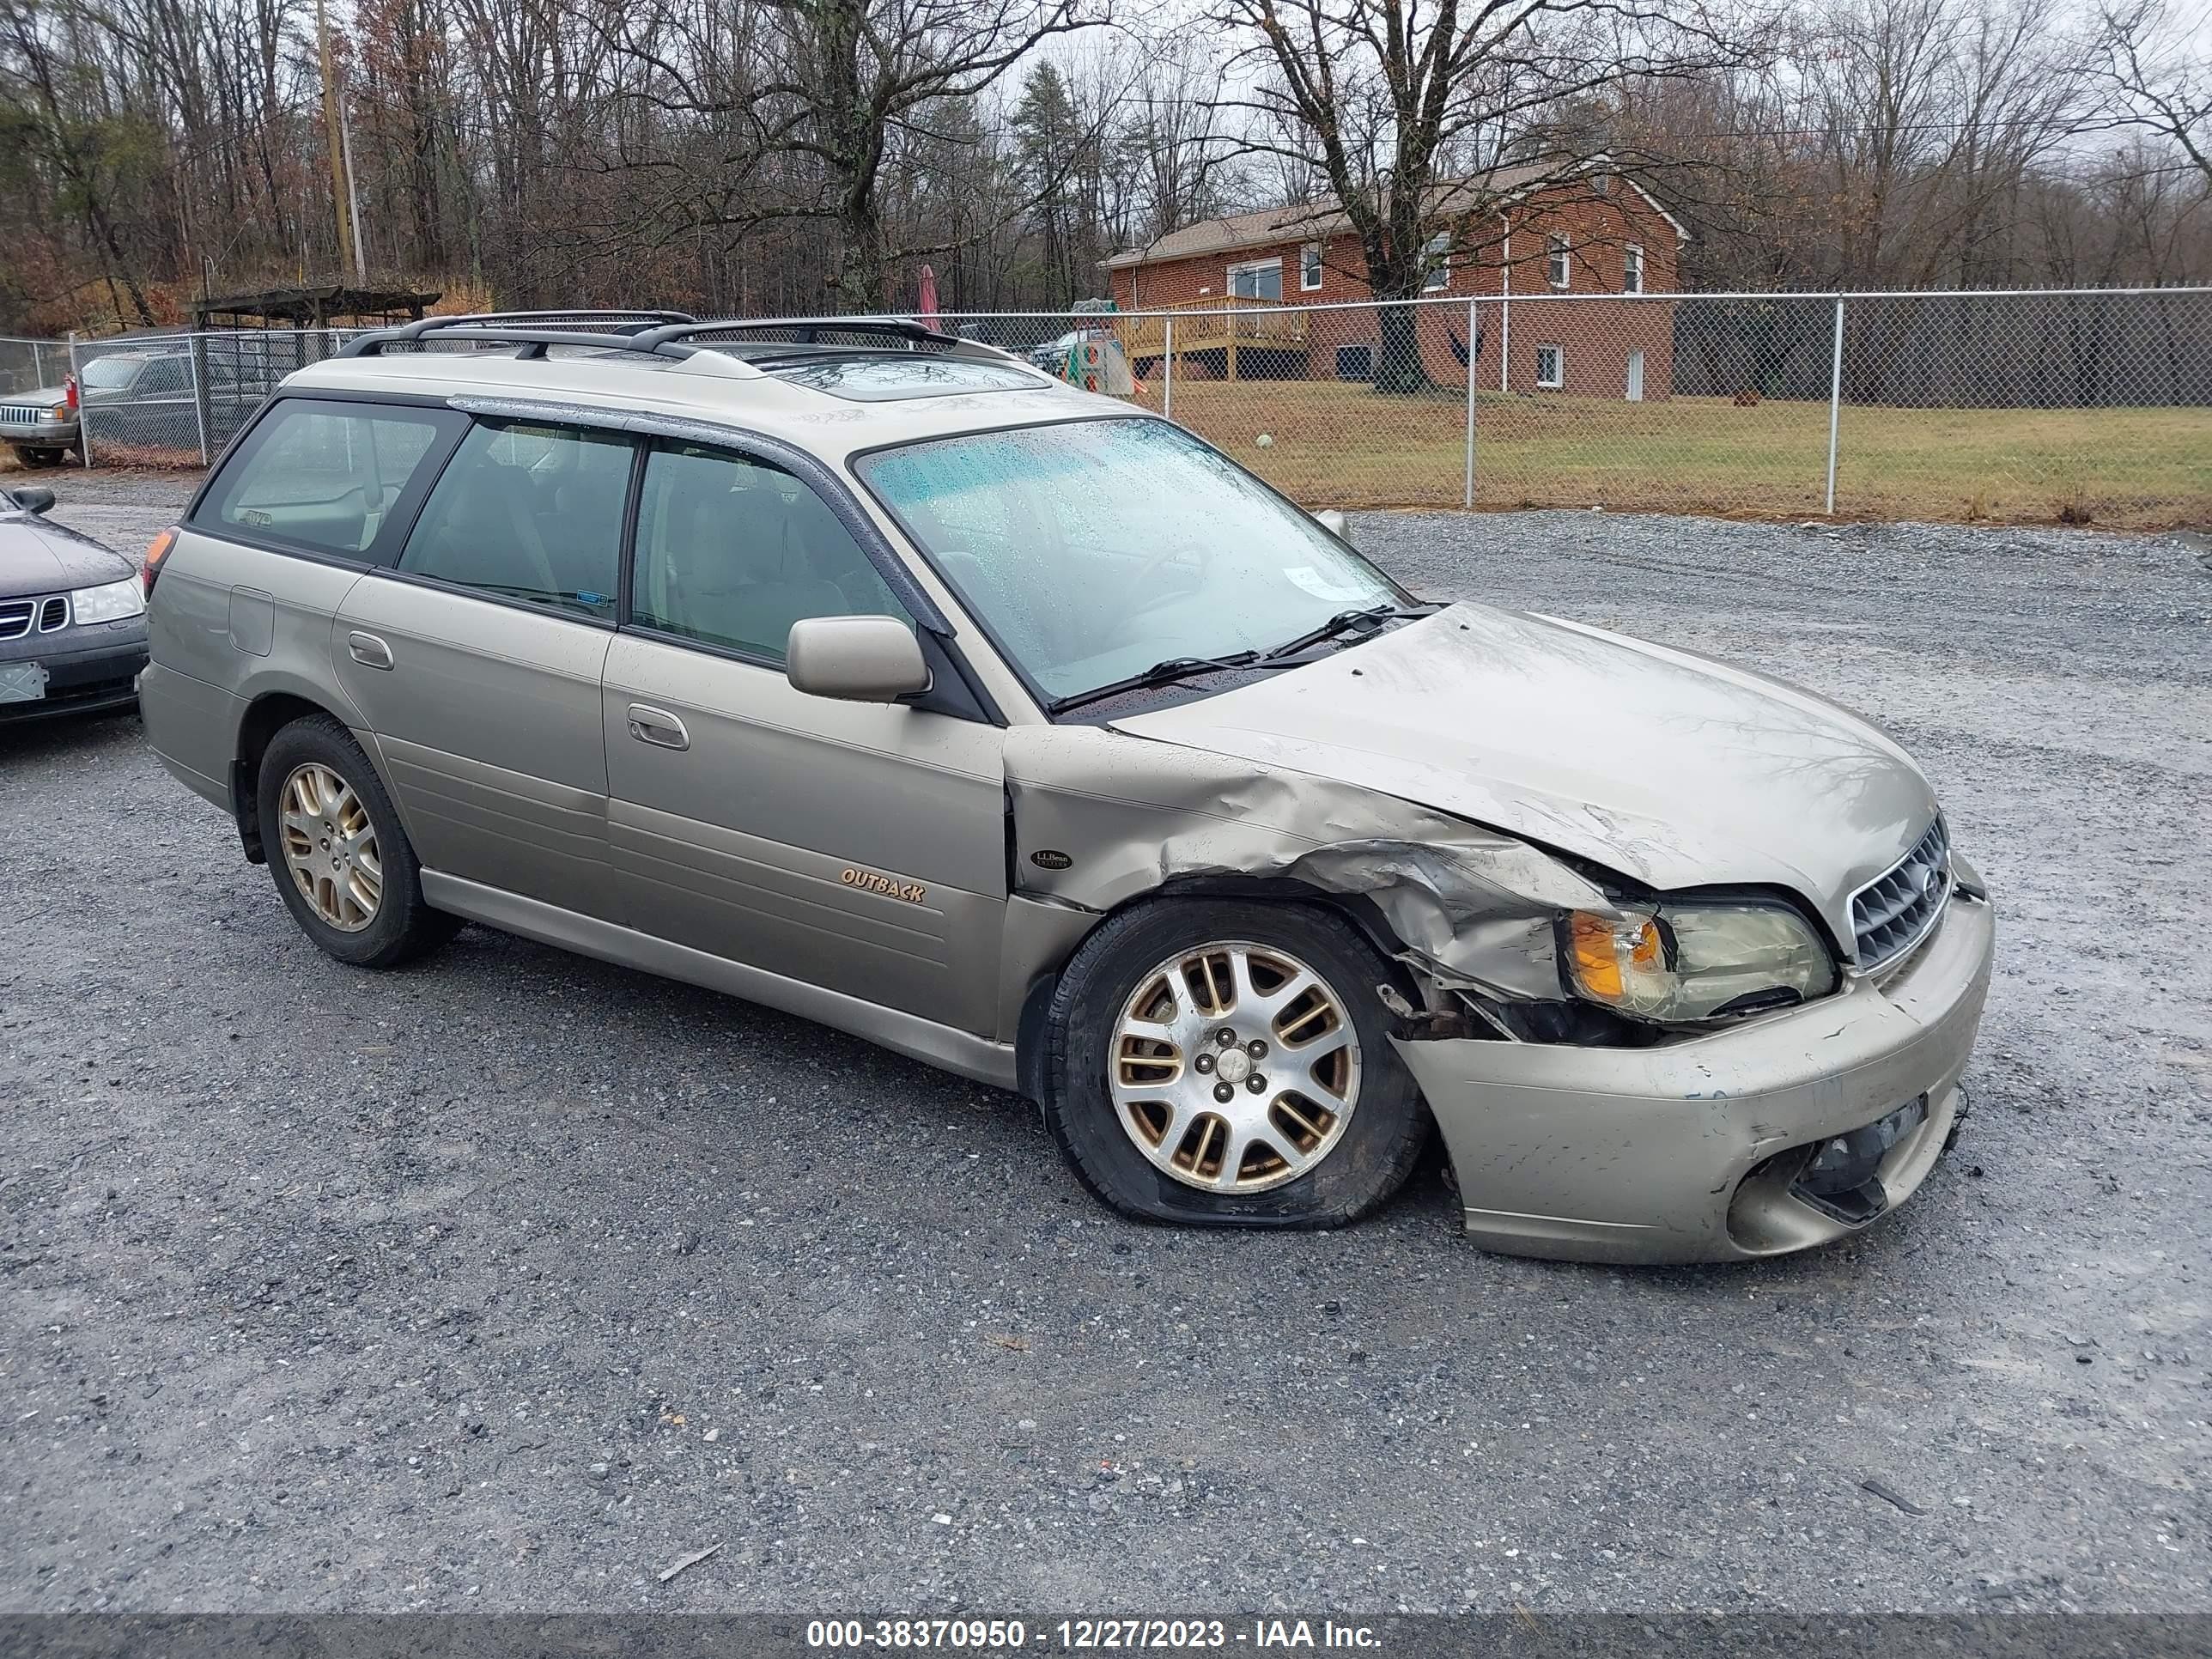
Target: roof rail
(663, 334)
(574, 322)
(808, 329)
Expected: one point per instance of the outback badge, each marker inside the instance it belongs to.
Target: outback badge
(911, 892)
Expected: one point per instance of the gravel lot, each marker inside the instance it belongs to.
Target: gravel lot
(506, 1280)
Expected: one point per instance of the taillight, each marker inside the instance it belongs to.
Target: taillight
(69, 390)
(157, 551)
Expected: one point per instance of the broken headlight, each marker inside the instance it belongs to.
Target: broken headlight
(1694, 961)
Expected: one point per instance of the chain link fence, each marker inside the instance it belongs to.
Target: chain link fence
(29, 366)
(2087, 407)
(2073, 407)
(175, 399)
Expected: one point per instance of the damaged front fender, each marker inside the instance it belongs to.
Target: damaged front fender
(1101, 818)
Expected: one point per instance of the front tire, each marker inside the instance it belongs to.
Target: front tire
(340, 860)
(1226, 1063)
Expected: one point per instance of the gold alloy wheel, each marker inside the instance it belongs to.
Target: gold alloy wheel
(330, 846)
(1234, 1068)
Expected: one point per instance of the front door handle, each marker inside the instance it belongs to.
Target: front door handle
(368, 651)
(651, 725)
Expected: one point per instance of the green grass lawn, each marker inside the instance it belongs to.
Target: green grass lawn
(1332, 444)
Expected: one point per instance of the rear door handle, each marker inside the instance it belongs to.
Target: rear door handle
(651, 725)
(368, 651)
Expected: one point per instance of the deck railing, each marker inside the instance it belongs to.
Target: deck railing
(1210, 326)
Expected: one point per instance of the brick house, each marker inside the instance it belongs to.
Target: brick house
(1538, 242)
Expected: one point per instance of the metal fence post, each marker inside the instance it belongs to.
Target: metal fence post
(1167, 363)
(1835, 402)
(1474, 341)
(198, 354)
(83, 421)
(38, 366)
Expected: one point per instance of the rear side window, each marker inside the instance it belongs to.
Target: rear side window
(327, 477)
(529, 513)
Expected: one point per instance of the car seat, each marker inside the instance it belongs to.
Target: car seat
(487, 536)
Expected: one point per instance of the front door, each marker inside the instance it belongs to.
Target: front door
(857, 846)
(478, 661)
(1636, 377)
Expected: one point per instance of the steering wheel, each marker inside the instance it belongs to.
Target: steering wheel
(1148, 599)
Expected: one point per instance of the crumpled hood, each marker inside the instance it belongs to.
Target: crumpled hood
(1664, 766)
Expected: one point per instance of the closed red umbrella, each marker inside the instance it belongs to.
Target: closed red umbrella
(928, 298)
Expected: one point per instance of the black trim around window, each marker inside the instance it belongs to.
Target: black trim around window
(624, 532)
(202, 519)
(953, 690)
(956, 691)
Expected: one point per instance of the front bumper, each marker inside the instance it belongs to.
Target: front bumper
(1690, 1151)
(83, 676)
(40, 435)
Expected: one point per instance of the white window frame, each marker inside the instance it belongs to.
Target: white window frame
(1313, 251)
(1229, 276)
(1557, 268)
(1439, 277)
(1631, 269)
(1559, 380)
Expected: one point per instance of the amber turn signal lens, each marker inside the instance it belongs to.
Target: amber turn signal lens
(157, 550)
(1605, 950)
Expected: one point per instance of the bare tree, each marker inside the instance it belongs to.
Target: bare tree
(1402, 108)
(2152, 75)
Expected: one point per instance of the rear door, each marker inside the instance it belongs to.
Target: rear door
(478, 660)
(858, 847)
(319, 492)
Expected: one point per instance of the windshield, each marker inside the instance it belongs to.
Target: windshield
(106, 373)
(1092, 550)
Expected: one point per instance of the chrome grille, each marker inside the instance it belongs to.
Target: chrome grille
(1893, 913)
(22, 414)
(16, 618)
(53, 613)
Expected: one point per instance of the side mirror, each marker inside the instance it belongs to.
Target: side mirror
(1334, 522)
(37, 499)
(858, 658)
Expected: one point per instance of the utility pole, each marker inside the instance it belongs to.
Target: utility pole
(353, 194)
(335, 140)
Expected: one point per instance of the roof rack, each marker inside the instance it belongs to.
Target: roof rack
(809, 328)
(662, 333)
(571, 326)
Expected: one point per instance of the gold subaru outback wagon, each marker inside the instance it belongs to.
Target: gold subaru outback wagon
(875, 676)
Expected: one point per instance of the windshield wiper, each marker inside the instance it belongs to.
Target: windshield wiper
(1160, 673)
(1344, 622)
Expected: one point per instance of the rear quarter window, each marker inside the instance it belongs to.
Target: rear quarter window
(329, 476)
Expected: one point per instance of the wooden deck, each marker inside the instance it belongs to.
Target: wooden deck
(1207, 329)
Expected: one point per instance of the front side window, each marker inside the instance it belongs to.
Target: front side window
(163, 374)
(1092, 550)
(1310, 266)
(1551, 367)
(322, 477)
(1632, 270)
(1556, 260)
(730, 552)
(1439, 253)
(531, 513)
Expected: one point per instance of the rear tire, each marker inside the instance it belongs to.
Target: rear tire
(340, 862)
(1135, 1070)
